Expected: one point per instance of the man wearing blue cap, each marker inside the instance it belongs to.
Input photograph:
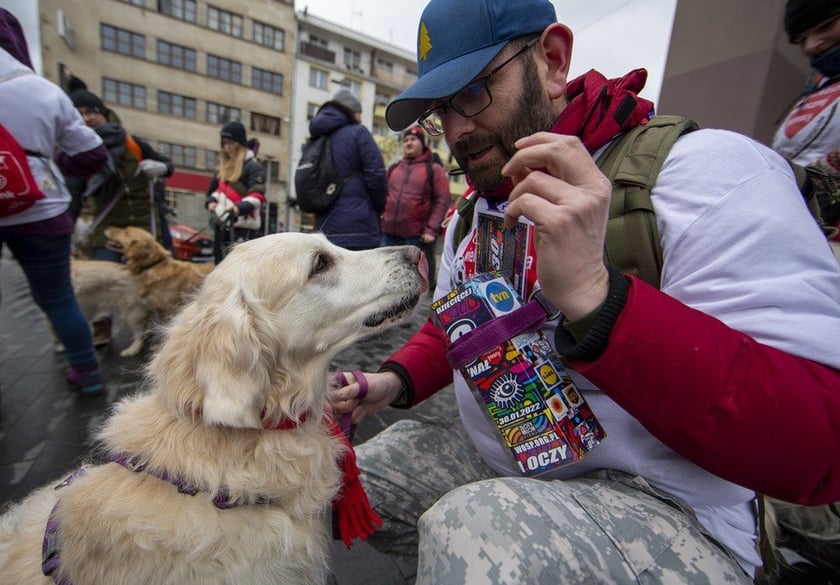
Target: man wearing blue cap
(704, 385)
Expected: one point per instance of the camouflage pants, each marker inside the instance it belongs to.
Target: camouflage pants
(443, 506)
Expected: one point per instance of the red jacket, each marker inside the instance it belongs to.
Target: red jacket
(711, 393)
(411, 210)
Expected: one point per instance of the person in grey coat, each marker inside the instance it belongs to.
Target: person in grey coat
(352, 222)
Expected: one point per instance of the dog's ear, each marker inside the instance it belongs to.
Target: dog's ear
(230, 367)
(139, 253)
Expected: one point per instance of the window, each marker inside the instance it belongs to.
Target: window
(384, 65)
(180, 9)
(219, 114)
(176, 56)
(318, 78)
(224, 21)
(122, 41)
(135, 2)
(267, 80)
(318, 42)
(210, 159)
(269, 36)
(265, 124)
(311, 110)
(181, 156)
(224, 69)
(352, 60)
(123, 93)
(177, 105)
(354, 86)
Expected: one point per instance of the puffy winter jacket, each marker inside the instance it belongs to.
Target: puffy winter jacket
(412, 209)
(353, 220)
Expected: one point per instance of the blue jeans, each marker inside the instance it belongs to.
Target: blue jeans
(45, 261)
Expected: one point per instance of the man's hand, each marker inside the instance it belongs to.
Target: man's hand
(383, 388)
(568, 202)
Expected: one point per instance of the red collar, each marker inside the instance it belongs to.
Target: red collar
(284, 424)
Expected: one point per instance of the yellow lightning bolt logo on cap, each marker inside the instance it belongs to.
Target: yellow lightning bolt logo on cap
(425, 43)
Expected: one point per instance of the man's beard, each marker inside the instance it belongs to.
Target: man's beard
(533, 113)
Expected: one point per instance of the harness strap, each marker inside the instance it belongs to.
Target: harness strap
(222, 500)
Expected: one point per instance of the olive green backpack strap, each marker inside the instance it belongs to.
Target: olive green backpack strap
(465, 207)
(632, 162)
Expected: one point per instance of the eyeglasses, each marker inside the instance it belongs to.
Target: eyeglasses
(470, 101)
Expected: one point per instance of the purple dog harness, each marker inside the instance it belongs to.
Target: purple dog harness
(51, 547)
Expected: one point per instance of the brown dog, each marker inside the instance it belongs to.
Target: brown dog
(163, 283)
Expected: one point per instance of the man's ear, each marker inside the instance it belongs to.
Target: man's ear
(556, 46)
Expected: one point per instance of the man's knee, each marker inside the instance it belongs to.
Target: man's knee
(519, 530)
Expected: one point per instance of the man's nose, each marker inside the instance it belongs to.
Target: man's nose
(455, 126)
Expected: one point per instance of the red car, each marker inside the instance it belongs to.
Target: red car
(190, 244)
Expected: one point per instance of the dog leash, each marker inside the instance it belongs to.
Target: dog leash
(346, 421)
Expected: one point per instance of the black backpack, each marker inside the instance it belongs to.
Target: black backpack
(317, 184)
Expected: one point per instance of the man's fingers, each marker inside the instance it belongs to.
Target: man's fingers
(563, 157)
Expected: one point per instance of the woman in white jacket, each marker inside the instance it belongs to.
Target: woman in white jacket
(42, 119)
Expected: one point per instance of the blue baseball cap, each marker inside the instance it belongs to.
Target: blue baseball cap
(456, 39)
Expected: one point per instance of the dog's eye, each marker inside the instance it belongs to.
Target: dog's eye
(321, 263)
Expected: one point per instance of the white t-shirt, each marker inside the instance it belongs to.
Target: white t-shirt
(738, 244)
(812, 128)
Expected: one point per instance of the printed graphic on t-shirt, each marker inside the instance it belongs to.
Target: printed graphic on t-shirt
(814, 107)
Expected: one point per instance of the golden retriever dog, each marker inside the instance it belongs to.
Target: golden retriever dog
(107, 289)
(224, 469)
(162, 282)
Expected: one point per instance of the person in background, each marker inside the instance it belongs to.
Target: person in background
(120, 195)
(41, 118)
(127, 184)
(352, 221)
(810, 133)
(733, 357)
(418, 196)
(236, 196)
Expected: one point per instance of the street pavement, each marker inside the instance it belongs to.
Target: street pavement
(45, 429)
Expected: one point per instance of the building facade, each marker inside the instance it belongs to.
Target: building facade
(175, 71)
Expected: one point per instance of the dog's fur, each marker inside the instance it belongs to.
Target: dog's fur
(108, 289)
(163, 282)
(252, 348)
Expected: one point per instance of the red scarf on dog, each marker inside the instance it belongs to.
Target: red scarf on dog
(598, 110)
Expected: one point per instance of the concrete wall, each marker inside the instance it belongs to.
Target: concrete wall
(731, 66)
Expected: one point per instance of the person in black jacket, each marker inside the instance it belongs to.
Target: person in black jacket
(236, 196)
(353, 220)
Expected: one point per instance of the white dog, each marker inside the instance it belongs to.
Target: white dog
(235, 413)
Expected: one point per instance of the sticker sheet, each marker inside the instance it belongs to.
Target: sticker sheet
(542, 419)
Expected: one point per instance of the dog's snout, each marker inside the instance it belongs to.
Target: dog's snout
(413, 253)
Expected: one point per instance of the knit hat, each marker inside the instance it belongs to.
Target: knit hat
(450, 56)
(418, 133)
(236, 132)
(82, 98)
(348, 100)
(801, 15)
